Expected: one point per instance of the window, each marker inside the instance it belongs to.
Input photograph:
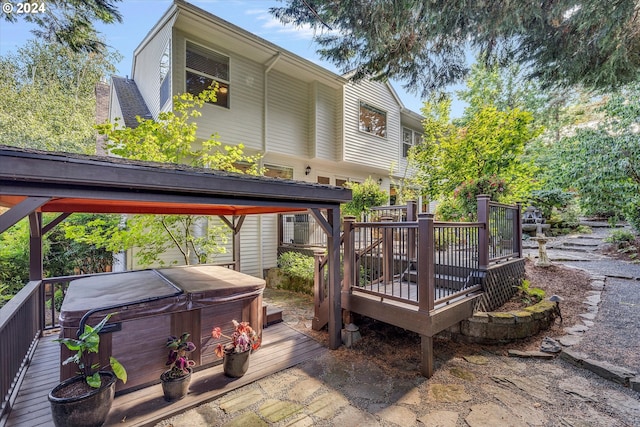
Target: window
(324, 180)
(165, 75)
(409, 139)
(205, 67)
(341, 182)
(373, 120)
(278, 171)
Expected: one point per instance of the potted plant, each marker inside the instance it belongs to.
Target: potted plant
(176, 379)
(235, 353)
(85, 400)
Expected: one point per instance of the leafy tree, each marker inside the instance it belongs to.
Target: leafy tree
(489, 144)
(423, 43)
(14, 259)
(602, 162)
(364, 197)
(69, 23)
(171, 139)
(47, 97)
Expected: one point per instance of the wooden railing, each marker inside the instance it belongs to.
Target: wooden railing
(422, 262)
(20, 327)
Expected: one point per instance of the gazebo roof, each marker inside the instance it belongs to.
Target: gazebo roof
(64, 182)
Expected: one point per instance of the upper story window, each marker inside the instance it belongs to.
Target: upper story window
(165, 75)
(205, 67)
(373, 120)
(409, 138)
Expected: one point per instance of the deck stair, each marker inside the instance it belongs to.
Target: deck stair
(444, 280)
(271, 315)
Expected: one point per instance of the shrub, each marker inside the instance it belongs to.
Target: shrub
(296, 265)
(546, 200)
(620, 238)
(530, 295)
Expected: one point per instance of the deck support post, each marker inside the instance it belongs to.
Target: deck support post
(335, 294)
(412, 216)
(485, 233)
(517, 230)
(387, 252)
(426, 350)
(426, 268)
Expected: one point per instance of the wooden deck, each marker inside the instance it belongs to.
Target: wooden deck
(282, 347)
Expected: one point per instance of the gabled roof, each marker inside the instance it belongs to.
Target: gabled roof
(64, 182)
(131, 101)
(194, 20)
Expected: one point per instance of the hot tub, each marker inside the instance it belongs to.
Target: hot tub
(151, 305)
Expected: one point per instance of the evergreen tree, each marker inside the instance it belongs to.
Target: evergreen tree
(69, 23)
(423, 43)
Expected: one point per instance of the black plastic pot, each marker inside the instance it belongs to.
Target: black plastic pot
(175, 388)
(235, 365)
(88, 410)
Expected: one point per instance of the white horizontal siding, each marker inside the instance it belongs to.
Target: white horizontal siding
(242, 121)
(287, 115)
(364, 148)
(146, 73)
(327, 136)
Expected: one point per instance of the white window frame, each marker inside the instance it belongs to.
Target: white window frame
(363, 128)
(415, 138)
(218, 79)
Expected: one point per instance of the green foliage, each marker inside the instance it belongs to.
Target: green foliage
(297, 265)
(14, 258)
(364, 197)
(172, 138)
(547, 200)
(47, 97)
(89, 342)
(530, 295)
(600, 163)
(620, 237)
(489, 144)
(68, 23)
(424, 44)
(469, 191)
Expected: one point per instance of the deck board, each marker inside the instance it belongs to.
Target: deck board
(282, 348)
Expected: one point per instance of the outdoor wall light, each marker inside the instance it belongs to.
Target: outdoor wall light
(379, 181)
(307, 170)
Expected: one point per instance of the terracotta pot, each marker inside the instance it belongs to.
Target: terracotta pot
(175, 388)
(87, 410)
(236, 365)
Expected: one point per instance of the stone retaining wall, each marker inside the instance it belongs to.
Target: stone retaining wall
(500, 327)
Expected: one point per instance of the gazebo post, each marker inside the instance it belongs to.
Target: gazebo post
(35, 246)
(335, 291)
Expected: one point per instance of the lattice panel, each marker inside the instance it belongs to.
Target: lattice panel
(500, 284)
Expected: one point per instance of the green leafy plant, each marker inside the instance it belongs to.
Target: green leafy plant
(620, 238)
(364, 197)
(296, 265)
(530, 295)
(178, 360)
(89, 342)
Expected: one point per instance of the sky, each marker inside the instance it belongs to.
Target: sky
(139, 16)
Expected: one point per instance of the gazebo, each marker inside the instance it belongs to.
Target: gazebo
(33, 182)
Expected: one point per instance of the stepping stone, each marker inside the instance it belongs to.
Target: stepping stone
(476, 359)
(569, 340)
(549, 345)
(576, 330)
(530, 354)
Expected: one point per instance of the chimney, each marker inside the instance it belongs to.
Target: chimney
(102, 114)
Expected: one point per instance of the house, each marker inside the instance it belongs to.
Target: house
(308, 123)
